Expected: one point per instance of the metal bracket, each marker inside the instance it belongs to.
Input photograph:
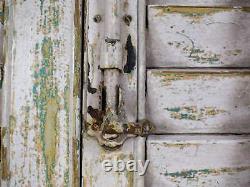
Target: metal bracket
(108, 124)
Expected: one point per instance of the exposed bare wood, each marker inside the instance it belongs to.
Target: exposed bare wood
(41, 93)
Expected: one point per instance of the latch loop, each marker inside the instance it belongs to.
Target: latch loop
(111, 133)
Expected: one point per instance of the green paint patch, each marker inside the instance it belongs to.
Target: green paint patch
(51, 16)
(1, 12)
(46, 99)
(194, 53)
(203, 57)
(204, 172)
(193, 113)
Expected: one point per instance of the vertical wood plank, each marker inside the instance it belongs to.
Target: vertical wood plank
(41, 93)
(93, 154)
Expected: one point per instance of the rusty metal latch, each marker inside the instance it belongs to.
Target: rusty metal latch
(109, 127)
(112, 133)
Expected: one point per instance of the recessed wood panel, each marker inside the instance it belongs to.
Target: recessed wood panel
(198, 161)
(198, 37)
(191, 101)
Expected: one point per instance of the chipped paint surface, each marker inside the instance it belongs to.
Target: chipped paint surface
(167, 77)
(198, 55)
(42, 95)
(191, 12)
(131, 56)
(198, 101)
(45, 93)
(193, 113)
(180, 36)
(93, 173)
(203, 172)
(196, 160)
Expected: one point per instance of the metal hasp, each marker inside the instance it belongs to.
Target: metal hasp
(110, 129)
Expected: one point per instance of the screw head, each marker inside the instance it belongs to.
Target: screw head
(97, 18)
(127, 19)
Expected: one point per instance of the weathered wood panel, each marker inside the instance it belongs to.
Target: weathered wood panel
(40, 118)
(189, 101)
(94, 174)
(198, 37)
(200, 3)
(198, 161)
(94, 91)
